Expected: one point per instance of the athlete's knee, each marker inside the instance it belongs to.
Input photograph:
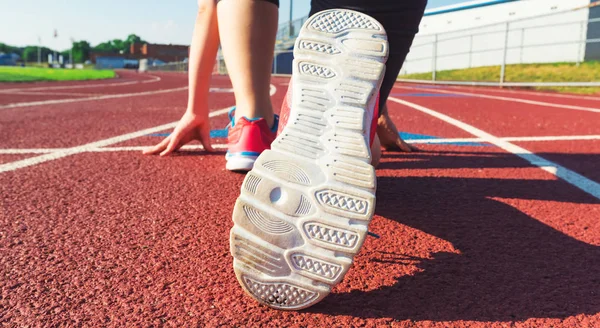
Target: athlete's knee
(206, 6)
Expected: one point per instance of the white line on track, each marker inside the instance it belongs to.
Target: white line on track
(153, 79)
(64, 152)
(571, 177)
(42, 93)
(519, 100)
(72, 100)
(93, 145)
(530, 93)
(16, 151)
(272, 91)
(515, 139)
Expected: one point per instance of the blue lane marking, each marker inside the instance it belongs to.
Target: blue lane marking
(415, 136)
(213, 134)
(404, 135)
(218, 133)
(418, 94)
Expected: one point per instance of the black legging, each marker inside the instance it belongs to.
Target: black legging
(400, 19)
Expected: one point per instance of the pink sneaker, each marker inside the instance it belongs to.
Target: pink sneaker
(305, 207)
(247, 139)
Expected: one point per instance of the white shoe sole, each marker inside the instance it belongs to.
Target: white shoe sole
(305, 207)
(240, 163)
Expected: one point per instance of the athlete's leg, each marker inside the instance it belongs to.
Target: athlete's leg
(401, 21)
(194, 124)
(248, 29)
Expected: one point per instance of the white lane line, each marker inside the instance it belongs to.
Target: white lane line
(526, 93)
(93, 145)
(42, 93)
(58, 87)
(272, 91)
(220, 90)
(519, 100)
(546, 94)
(72, 100)
(140, 148)
(17, 151)
(552, 138)
(515, 139)
(575, 179)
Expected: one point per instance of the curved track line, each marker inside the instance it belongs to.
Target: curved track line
(58, 87)
(54, 93)
(272, 91)
(72, 100)
(519, 100)
(571, 177)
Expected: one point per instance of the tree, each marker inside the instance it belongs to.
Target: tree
(30, 53)
(106, 47)
(131, 39)
(81, 51)
(118, 45)
(5, 48)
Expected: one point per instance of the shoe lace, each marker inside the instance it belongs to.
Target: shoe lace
(231, 115)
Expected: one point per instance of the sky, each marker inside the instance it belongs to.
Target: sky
(156, 21)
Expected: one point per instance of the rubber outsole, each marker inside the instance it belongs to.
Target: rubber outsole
(240, 163)
(304, 209)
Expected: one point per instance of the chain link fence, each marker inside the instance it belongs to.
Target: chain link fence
(570, 36)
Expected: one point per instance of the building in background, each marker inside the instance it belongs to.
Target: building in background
(9, 59)
(156, 54)
(167, 53)
(475, 33)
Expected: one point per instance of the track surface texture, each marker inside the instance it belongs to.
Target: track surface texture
(494, 223)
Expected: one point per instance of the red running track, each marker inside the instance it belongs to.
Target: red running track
(471, 235)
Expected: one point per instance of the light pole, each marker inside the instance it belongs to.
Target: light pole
(71, 54)
(54, 58)
(290, 21)
(39, 50)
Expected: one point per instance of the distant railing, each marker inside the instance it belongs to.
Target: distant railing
(170, 67)
(507, 43)
(558, 39)
(284, 32)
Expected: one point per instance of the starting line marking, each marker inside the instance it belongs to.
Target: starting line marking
(519, 100)
(17, 151)
(575, 179)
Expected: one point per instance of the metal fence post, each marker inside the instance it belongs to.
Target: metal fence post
(581, 43)
(275, 63)
(505, 50)
(470, 49)
(521, 49)
(434, 57)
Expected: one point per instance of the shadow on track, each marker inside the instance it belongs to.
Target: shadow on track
(510, 267)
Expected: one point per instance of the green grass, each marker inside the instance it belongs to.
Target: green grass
(31, 74)
(557, 72)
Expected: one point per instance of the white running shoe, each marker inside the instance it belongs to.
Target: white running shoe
(305, 207)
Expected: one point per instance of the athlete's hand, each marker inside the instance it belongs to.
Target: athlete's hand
(388, 134)
(190, 127)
